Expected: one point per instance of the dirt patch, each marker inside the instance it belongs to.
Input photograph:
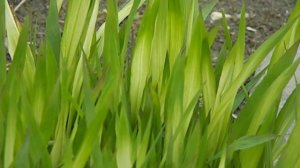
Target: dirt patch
(264, 16)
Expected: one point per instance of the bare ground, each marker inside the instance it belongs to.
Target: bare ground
(264, 16)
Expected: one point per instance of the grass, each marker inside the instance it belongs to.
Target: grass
(78, 102)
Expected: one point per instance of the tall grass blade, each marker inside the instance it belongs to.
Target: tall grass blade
(290, 156)
(92, 133)
(85, 45)
(122, 15)
(208, 8)
(140, 66)
(13, 35)
(174, 138)
(159, 44)
(227, 47)
(53, 30)
(37, 145)
(193, 79)
(208, 77)
(191, 12)
(14, 98)
(2, 45)
(234, 62)
(74, 27)
(265, 107)
(176, 29)
(285, 122)
(127, 28)
(244, 119)
(291, 37)
(124, 142)
(213, 34)
(231, 68)
(111, 45)
(143, 142)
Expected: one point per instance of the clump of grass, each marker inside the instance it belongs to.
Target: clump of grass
(170, 108)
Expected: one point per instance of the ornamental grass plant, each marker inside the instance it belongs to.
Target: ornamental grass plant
(79, 100)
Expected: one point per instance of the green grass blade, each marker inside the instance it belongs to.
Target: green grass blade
(284, 122)
(174, 113)
(11, 124)
(256, 58)
(142, 145)
(265, 109)
(74, 27)
(254, 61)
(243, 94)
(13, 35)
(176, 29)
(191, 11)
(92, 133)
(13, 32)
(295, 12)
(39, 94)
(59, 4)
(195, 152)
(208, 78)
(2, 45)
(85, 45)
(208, 8)
(228, 41)
(249, 67)
(193, 147)
(245, 142)
(76, 44)
(159, 44)
(234, 63)
(287, 114)
(52, 49)
(193, 78)
(221, 57)
(208, 83)
(22, 158)
(140, 66)
(88, 100)
(122, 15)
(14, 92)
(243, 121)
(52, 109)
(53, 30)
(111, 57)
(227, 47)
(290, 156)
(37, 145)
(213, 34)
(290, 38)
(128, 25)
(123, 141)
(60, 130)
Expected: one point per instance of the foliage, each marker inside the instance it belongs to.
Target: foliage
(81, 101)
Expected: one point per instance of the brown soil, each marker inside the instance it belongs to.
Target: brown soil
(265, 16)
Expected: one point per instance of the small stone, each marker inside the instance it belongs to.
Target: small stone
(218, 15)
(251, 29)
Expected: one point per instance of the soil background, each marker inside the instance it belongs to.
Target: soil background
(264, 16)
